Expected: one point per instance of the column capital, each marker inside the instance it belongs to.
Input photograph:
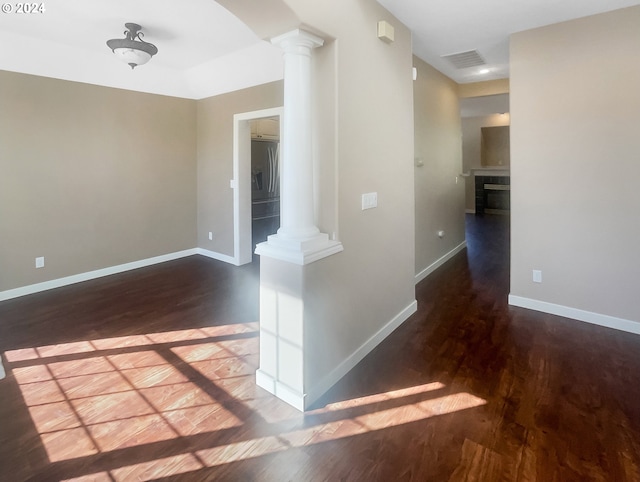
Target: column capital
(297, 38)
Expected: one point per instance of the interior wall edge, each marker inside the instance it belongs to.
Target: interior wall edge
(219, 256)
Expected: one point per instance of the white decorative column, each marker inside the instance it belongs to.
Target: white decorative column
(285, 256)
(298, 240)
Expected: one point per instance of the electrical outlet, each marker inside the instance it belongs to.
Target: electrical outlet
(40, 262)
(537, 276)
(210, 236)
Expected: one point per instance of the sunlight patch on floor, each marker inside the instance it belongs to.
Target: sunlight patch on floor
(98, 396)
(129, 341)
(339, 429)
(176, 465)
(90, 397)
(381, 397)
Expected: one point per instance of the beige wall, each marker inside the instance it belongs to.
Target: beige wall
(92, 177)
(439, 193)
(487, 87)
(575, 117)
(471, 149)
(215, 159)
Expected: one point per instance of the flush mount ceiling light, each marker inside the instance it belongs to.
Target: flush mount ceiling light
(132, 49)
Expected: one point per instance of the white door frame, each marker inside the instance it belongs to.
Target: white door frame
(241, 182)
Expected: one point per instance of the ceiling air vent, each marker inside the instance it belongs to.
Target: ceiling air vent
(463, 60)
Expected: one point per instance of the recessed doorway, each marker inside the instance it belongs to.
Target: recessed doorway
(248, 126)
(265, 178)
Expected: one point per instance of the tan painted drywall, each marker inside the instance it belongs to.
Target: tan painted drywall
(439, 192)
(575, 119)
(494, 147)
(471, 128)
(479, 89)
(92, 177)
(215, 159)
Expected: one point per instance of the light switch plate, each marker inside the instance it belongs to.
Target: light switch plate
(369, 200)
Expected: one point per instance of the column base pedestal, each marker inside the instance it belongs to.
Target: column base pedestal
(299, 251)
(280, 390)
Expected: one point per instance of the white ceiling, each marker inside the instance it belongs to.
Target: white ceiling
(204, 50)
(444, 27)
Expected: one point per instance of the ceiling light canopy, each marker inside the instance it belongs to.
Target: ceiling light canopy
(132, 49)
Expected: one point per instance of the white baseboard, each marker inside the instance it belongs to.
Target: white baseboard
(284, 393)
(470, 211)
(99, 273)
(439, 262)
(89, 275)
(576, 314)
(320, 388)
(218, 256)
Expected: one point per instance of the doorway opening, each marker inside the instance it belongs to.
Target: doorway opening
(265, 178)
(256, 182)
(486, 161)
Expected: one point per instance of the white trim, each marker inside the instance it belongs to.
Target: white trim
(280, 390)
(470, 211)
(215, 255)
(241, 183)
(99, 273)
(299, 252)
(2, 372)
(439, 262)
(320, 388)
(576, 314)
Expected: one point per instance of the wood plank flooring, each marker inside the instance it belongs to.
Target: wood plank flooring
(149, 375)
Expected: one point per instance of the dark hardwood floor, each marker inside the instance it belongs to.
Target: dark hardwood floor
(149, 375)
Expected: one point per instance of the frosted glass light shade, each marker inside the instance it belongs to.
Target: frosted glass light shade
(133, 57)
